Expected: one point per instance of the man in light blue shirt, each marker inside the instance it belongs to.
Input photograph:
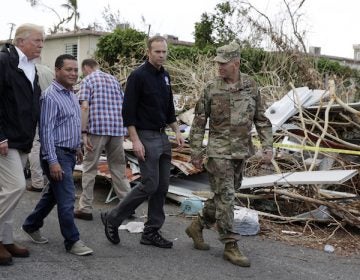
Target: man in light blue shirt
(60, 131)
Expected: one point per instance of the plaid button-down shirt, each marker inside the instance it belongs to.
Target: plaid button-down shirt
(105, 97)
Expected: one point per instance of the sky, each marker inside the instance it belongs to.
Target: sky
(330, 24)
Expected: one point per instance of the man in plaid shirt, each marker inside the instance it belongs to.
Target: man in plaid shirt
(101, 100)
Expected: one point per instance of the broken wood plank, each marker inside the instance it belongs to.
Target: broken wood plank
(299, 178)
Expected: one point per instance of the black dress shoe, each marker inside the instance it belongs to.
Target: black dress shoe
(82, 215)
(5, 256)
(131, 216)
(32, 189)
(154, 238)
(16, 250)
(111, 231)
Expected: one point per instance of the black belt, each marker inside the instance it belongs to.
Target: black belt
(161, 129)
(67, 150)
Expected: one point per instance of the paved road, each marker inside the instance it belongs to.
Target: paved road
(131, 260)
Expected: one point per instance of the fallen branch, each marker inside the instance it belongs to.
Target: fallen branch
(343, 212)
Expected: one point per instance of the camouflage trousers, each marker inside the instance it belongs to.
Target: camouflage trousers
(225, 177)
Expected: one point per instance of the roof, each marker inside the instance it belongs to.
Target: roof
(81, 32)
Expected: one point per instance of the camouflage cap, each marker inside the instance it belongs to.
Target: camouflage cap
(226, 53)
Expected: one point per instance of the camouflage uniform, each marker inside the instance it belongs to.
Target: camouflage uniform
(231, 110)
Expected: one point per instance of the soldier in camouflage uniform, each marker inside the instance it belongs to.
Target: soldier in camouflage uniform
(231, 102)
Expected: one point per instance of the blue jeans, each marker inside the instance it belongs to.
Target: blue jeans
(61, 193)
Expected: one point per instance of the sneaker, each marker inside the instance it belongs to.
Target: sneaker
(80, 249)
(155, 239)
(35, 236)
(111, 231)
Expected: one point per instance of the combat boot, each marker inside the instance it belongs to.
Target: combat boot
(194, 231)
(233, 255)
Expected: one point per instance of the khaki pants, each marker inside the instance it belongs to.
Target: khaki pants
(37, 177)
(12, 186)
(113, 146)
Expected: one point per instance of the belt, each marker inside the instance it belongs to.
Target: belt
(160, 130)
(69, 150)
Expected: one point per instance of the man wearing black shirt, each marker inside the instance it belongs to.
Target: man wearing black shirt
(148, 108)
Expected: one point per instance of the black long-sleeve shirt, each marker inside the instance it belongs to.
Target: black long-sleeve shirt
(148, 102)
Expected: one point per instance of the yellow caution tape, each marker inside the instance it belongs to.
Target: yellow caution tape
(291, 146)
(311, 148)
(320, 149)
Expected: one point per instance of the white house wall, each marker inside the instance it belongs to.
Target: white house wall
(55, 47)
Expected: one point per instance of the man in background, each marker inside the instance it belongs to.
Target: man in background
(46, 76)
(101, 100)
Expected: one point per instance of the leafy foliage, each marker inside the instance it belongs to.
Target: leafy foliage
(203, 31)
(189, 53)
(122, 44)
(333, 68)
(252, 60)
(218, 27)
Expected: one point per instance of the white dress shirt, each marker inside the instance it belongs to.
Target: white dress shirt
(28, 66)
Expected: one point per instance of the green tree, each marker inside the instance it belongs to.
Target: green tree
(224, 29)
(122, 44)
(203, 31)
(218, 27)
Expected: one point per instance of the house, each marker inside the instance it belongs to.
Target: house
(353, 63)
(81, 44)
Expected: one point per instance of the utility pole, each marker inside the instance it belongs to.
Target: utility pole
(12, 25)
(148, 33)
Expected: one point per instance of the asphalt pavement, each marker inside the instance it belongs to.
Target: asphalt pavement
(131, 260)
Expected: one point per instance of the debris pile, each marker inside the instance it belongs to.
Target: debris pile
(313, 178)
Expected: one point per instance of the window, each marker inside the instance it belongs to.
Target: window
(71, 49)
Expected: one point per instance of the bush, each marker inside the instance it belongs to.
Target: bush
(190, 53)
(122, 44)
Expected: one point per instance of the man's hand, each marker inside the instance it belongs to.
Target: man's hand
(180, 140)
(267, 155)
(87, 143)
(4, 149)
(56, 171)
(79, 156)
(139, 150)
(197, 162)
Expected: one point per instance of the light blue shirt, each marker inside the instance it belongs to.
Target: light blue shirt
(60, 121)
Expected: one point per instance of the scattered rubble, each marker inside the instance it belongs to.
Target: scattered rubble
(313, 180)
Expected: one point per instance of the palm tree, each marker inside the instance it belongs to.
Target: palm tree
(72, 6)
